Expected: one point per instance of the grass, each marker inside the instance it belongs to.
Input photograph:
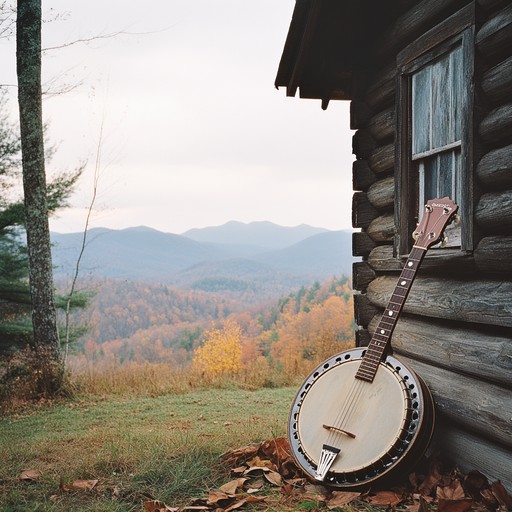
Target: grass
(138, 448)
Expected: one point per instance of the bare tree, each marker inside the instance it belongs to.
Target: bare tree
(44, 319)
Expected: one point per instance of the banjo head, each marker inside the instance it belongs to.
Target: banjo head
(371, 426)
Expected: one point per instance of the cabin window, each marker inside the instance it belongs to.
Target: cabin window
(434, 136)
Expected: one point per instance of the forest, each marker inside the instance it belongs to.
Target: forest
(144, 323)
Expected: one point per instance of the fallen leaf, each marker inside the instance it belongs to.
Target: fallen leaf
(217, 496)
(454, 491)
(342, 498)
(158, 506)
(231, 487)
(82, 485)
(30, 475)
(274, 478)
(385, 499)
(433, 478)
(236, 505)
(503, 497)
(460, 505)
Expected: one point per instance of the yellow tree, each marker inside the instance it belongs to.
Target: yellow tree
(221, 352)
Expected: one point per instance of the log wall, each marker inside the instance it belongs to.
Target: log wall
(456, 330)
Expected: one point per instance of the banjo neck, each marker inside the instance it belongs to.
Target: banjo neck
(382, 335)
(437, 214)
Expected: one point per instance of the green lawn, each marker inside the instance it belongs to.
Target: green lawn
(164, 448)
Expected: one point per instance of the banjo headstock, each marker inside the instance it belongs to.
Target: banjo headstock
(437, 215)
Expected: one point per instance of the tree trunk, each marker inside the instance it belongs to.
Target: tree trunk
(47, 378)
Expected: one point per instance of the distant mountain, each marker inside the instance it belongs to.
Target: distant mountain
(264, 234)
(145, 254)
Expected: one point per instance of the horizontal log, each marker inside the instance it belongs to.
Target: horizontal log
(381, 93)
(381, 259)
(470, 351)
(362, 244)
(494, 212)
(493, 255)
(382, 228)
(362, 338)
(362, 175)
(415, 21)
(484, 301)
(471, 452)
(491, 5)
(362, 144)
(360, 114)
(382, 125)
(495, 168)
(495, 36)
(473, 403)
(382, 159)
(362, 211)
(364, 310)
(497, 82)
(382, 193)
(362, 275)
(496, 128)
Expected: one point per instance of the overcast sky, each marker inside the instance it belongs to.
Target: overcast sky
(194, 132)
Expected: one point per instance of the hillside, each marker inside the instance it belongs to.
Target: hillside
(225, 256)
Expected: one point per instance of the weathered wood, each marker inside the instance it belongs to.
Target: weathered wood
(442, 260)
(494, 212)
(462, 349)
(362, 338)
(362, 244)
(496, 128)
(415, 21)
(364, 310)
(475, 403)
(495, 168)
(483, 301)
(474, 453)
(382, 159)
(382, 193)
(362, 275)
(454, 24)
(382, 228)
(382, 125)
(362, 211)
(493, 255)
(381, 93)
(497, 82)
(495, 36)
(360, 114)
(362, 175)
(362, 144)
(491, 5)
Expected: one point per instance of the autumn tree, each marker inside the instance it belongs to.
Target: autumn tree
(44, 318)
(221, 352)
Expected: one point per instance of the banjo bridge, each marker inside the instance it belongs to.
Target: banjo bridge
(336, 429)
(329, 453)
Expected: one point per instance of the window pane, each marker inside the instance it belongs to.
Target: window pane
(442, 112)
(457, 81)
(431, 171)
(421, 110)
(446, 174)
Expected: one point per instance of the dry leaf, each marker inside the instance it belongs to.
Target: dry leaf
(236, 505)
(158, 506)
(274, 478)
(216, 496)
(503, 497)
(385, 499)
(342, 498)
(454, 491)
(82, 485)
(460, 505)
(30, 475)
(231, 487)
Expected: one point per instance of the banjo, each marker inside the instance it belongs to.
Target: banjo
(363, 414)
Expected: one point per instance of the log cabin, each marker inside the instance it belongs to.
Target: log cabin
(430, 90)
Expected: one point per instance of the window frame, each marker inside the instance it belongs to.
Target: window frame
(456, 30)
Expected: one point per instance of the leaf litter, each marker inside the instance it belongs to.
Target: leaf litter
(269, 467)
